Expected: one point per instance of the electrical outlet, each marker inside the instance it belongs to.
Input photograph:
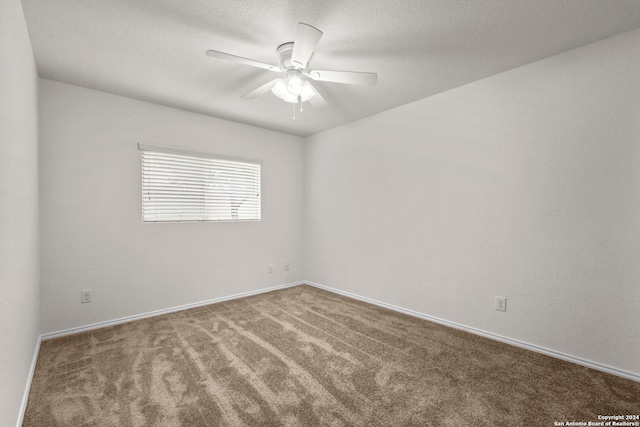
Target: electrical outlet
(85, 296)
(501, 304)
(286, 266)
(270, 268)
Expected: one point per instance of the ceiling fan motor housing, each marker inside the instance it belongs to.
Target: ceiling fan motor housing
(284, 52)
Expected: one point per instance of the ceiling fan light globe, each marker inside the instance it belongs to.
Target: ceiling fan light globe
(307, 91)
(281, 91)
(295, 85)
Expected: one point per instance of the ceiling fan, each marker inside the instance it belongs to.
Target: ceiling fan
(295, 87)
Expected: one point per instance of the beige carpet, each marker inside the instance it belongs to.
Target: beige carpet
(305, 357)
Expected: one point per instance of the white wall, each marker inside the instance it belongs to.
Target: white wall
(19, 306)
(92, 233)
(524, 185)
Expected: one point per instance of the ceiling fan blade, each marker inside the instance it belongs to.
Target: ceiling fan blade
(317, 101)
(307, 38)
(241, 60)
(348, 77)
(261, 90)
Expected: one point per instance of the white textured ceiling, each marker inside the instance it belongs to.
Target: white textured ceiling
(154, 50)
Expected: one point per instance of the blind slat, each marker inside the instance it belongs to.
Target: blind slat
(159, 166)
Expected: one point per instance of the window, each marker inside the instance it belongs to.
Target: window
(182, 186)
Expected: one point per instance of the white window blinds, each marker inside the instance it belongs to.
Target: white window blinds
(183, 186)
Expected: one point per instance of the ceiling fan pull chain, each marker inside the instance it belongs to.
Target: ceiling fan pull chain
(300, 101)
(294, 111)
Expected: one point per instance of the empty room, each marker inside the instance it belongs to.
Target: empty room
(306, 213)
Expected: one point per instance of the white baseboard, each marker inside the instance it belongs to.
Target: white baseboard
(126, 319)
(25, 396)
(497, 337)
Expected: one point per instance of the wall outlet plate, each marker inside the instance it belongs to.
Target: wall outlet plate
(501, 303)
(85, 296)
